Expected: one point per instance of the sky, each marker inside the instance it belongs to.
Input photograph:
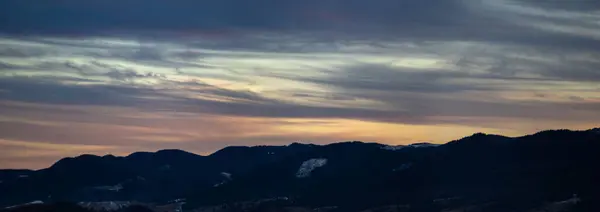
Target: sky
(115, 77)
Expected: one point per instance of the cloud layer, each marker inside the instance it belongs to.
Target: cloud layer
(200, 75)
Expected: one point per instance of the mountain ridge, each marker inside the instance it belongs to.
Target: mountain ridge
(312, 144)
(545, 166)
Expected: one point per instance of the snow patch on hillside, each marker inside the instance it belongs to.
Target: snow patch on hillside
(37, 202)
(105, 206)
(116, 188)
(308, 166)
(416, 145)
(423, 145)
(393, 148)
(227, 177)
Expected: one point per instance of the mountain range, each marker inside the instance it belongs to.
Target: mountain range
(540, 172)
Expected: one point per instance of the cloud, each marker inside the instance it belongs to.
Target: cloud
(586, 71)
(114, 72)
(576, 98)
(334, 97)
(224, 102)
(399, 82)
(575, 5)
(384, 77)
(448, 20)
(411, 106)
(42, 90)
(8, 52)
(428, 94)
(8, 66)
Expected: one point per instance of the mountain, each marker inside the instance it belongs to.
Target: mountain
(482, 172)
(71, 207)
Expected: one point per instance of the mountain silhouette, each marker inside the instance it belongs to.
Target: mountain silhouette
(495, 172)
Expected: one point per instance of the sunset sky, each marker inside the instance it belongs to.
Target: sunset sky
(119, 76)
